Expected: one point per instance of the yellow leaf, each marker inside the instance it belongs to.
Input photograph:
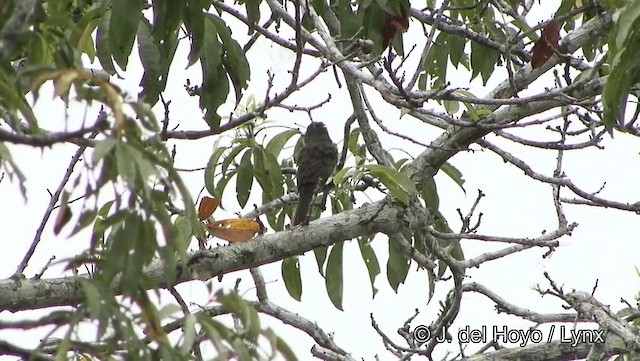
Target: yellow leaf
(64, 80)
(116, 106)
(152, 329)
(236, 230)
(37, 82)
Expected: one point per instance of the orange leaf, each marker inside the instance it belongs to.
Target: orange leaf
(207, 206)
(548, 41)
(236, 230)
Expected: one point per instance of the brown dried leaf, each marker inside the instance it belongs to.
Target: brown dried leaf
(63, 217)
(544, 47)
(392, 24)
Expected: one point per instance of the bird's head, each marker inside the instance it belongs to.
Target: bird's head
(316, 128)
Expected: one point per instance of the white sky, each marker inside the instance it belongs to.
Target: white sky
(602, 248)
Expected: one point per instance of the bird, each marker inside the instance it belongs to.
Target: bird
(317, 161)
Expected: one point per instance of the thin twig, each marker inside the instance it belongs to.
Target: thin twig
(52, 203)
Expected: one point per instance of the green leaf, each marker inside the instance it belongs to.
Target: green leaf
(189, 335)
(339, 176)
(153, 81)
(85, 219)
(456, 49)
(92, 297)
(321, 256)
(13, 97)
(268, 173)
(265, 183)
(274, 171)
(241, 350)
(244, 310)
(100, 225)
(216, 332)
(210, 172)
(397, 265)
(215, 86)
(245, 179)
(291, 277)
(624, 41)
(476, 114)
(451, 106)
(320, 6)
(400, 163)
(454, 174)
(38, 52)
(333, 279)
(371, 261)
(372, 21)
(167, 17)
(253, 10)
(230, 158)
(144, 164)
(399, 184)
(5, 157)
(430, 194)
(86, 27)
(397, 43)
(436, 63)
(276, 143)
(144, 246)
(222, 184)
(260, 173)
(234, 60)
(119, 245)
(252, 321)
(146, 116)
(422, 82)
(276, 219)
(483, 61)
(184, 230)
(123, 28)
(103, 47)
(194, 21)
(353, 140)
(284, 349)
(104, 210)
(126, 163)
(63, 347)
(167, 52)
(613, 4)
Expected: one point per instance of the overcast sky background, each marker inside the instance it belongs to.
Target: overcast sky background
(603, 248)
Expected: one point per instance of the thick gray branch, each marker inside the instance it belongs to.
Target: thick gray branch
(379, 217)
(456, 139)
(552, 351)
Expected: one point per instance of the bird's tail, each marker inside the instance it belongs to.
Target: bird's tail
(305, 195)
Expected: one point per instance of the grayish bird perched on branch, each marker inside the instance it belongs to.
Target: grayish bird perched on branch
(317, 162)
